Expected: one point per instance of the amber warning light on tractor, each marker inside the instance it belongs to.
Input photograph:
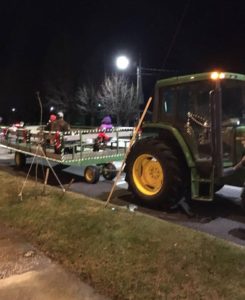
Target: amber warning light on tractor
(217, 75)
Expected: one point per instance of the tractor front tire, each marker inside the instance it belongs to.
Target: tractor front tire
(153, 173)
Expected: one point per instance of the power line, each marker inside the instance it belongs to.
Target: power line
(176, 31)
(158, 70)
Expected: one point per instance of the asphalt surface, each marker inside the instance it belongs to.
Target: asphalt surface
(222, 218)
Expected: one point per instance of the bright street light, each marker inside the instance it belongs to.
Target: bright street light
(122, 62)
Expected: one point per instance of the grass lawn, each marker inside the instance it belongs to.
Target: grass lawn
(123, 255)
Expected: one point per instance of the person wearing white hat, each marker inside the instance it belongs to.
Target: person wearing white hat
(60, 124)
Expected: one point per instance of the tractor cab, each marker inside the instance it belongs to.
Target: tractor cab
(197, 131)
(208, 110)
(205, 108)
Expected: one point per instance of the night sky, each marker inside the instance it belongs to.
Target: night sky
(77, 41)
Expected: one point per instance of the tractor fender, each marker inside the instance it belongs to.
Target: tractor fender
(172, 137)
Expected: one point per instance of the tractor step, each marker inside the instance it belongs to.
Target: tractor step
(203, 190)
(202, 180)
(200, 198)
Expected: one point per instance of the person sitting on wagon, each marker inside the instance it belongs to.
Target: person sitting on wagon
(106, 124)
(17, 125)
(102, 138)
(48, 126)
(59, 125)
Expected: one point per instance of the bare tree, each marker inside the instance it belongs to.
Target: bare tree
(61, 96)
(118, 98)
(86, 100)
(58, 96)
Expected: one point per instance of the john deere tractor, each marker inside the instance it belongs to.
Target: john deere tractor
(197, 132)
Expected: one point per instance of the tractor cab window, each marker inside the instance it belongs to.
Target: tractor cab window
(194, 98)
(194, 117)
(167, 104)
(233, 113)
(233, 100)
(167, 99)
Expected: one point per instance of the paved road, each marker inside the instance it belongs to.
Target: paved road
(222, 218)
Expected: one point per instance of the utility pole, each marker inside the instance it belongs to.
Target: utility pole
(139, 90)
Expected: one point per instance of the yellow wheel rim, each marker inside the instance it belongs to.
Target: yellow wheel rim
(148, 175)
(89, 175)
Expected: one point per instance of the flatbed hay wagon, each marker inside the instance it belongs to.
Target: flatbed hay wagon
(76, 147)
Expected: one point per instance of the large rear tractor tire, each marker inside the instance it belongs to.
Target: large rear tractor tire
(153, 173)
(20, 160)
(92, 174)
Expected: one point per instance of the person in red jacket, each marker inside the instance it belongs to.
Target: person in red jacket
(48, 126)
(100, 142)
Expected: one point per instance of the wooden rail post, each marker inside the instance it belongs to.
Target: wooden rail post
(45, 181)
(128, 150)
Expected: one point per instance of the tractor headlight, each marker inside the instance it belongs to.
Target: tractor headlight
(217, 75)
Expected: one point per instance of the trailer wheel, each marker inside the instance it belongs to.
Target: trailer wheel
(109, 171)
(20, 160)
(153, 173)
(92, 174)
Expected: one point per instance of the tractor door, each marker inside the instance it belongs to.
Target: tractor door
(233, 127)
(233, 118)
(194, 117)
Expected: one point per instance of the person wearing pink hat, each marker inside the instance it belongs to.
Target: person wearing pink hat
(48, 126)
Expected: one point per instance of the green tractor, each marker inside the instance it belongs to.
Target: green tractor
(197, 133)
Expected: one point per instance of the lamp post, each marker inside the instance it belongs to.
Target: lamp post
(122, 63)
(139, 88)
(13, 115)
